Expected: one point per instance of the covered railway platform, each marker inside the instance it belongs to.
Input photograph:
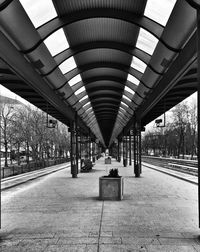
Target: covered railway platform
(106, 69)
(56, 213)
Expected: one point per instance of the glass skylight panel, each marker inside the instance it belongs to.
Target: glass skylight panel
(93, 120)
(39, 11)
(132, 79)
(75, 80)
(129, 90)
(124, 104)
(125, 97)
(80, 90)
(88, 109)
(138, 64)
(159, 11)
(122, 109)
(146, 41)
(86, 104)
(68, 65)
(56, 42)
(84, 97)
(91, 115)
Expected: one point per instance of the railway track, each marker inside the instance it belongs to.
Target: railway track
(181, 165)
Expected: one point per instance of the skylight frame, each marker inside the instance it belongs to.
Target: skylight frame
(146, 41)
(138, 64)
(87, 110)
(86, 104)
(123, 103)
(84, 98)
(68, 65)
(79, 91)
(75, 80)
(39, 11)
(159, 11)
(133, 79)
(122, 109)
(55, 45)
(126, 98)
(128, 89)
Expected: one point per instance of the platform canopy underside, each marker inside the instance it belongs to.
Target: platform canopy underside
(104, 63)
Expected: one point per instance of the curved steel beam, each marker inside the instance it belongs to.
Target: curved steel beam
(105, 104)
(194, 3)
(109, 100)
(121, 67)
(88, 83)
(105, 93)
(6, 71)
(141, 21)
(102, 112)
(106, 100)
(4, 4)
(72, 51)
(105, 109)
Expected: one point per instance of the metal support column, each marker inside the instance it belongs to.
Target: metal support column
(124, 151)
(89, 140)
(118, 150)
(198, 104)
(73, 150)
(137, 148)
(130, 158)
(81, 149)
(93, 152)
(77, 149)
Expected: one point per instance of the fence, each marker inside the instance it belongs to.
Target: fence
(13, 170)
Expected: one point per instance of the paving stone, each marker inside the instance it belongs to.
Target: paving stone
(122, 248)
(197, 248)
(106, 234)
(78, 240)
(140, 241)
(170, 248)
(93, 234)
(175, 241)
(26, 248)
(110, 240)
(39, 241)
(66, 248)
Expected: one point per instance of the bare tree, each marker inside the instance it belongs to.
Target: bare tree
(6, 132)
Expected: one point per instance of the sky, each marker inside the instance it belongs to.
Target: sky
(6, 92)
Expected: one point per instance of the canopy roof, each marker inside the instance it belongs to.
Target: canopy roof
(103, 62)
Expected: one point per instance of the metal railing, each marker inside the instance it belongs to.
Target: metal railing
(13, 170)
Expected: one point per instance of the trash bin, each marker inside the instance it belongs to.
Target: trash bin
(125, 162)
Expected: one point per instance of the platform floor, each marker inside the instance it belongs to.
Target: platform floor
(58, 213)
